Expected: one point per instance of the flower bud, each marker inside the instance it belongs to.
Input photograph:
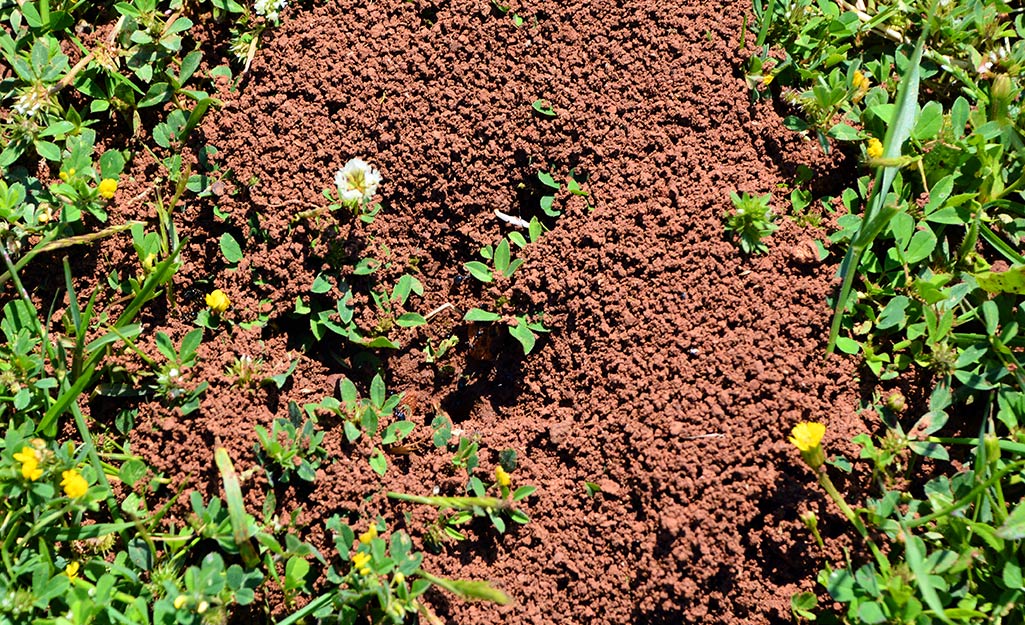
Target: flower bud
(992, 446)
(895, 402)
(874, 149)
(1000, 93)
(810, 520)
(368, 536)
(502, 477)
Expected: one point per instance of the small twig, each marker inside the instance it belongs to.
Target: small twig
(710, 435)
(889, 33)
(316, 211)
(516, 221)
(70, 76)
(437, 310)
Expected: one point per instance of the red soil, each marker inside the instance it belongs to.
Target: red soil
(675, 366)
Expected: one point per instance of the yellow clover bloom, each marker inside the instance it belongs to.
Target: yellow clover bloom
(361, 562)
(218, 301)
(71, 570)
(180, 601)
(29, 463)
(369, 535)
(74, 484)
(874, 148)
(807, 437)
(107, 188)
(859, 81)
(502, 476)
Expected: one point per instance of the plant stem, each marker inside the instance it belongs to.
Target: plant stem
(966, 500)
(308, 609)
(834, 494)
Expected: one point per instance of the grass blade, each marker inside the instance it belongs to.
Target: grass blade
(467, 589)
(768, 13)
(877, 214)
(455, 503)
(1001, 246)
(236, 507)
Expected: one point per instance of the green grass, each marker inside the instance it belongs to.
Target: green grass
(921, 290)
(69, 545)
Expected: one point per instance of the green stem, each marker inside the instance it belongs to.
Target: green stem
(768, 15)
(966, 500)
(1005, 445)
(12, 535)
(841, 503)
(23, 294)
(1014, 186)
(834, 494)
(308, 609)
(116, 594)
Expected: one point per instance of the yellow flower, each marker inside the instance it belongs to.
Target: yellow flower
(369, 535)
(29, 463)
(74, 484)
(107, 188)
(180, 601)
(874, 148)
(218, 301)
(859, 81)
(767, 79)
(361, 562)
(71, 570)
(808, 438)
(503, 477)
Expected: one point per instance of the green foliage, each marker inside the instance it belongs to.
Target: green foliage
(520, 327)
(331, 314)
(73, 552)
(363, 416)
(171, 378)
(291, 447)
(921, 286)
(952, 553)
(750, 221)
(433, 354)
(454, 512)
(500, 257)
(544, 108)
(382, 580)
(465, 455)
(552, 187)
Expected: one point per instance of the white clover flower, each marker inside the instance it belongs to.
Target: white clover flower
(357, 181)
(269, 8)
(994, 58)
(31, 101)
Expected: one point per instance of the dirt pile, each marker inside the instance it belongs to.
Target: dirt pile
(675, 367)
